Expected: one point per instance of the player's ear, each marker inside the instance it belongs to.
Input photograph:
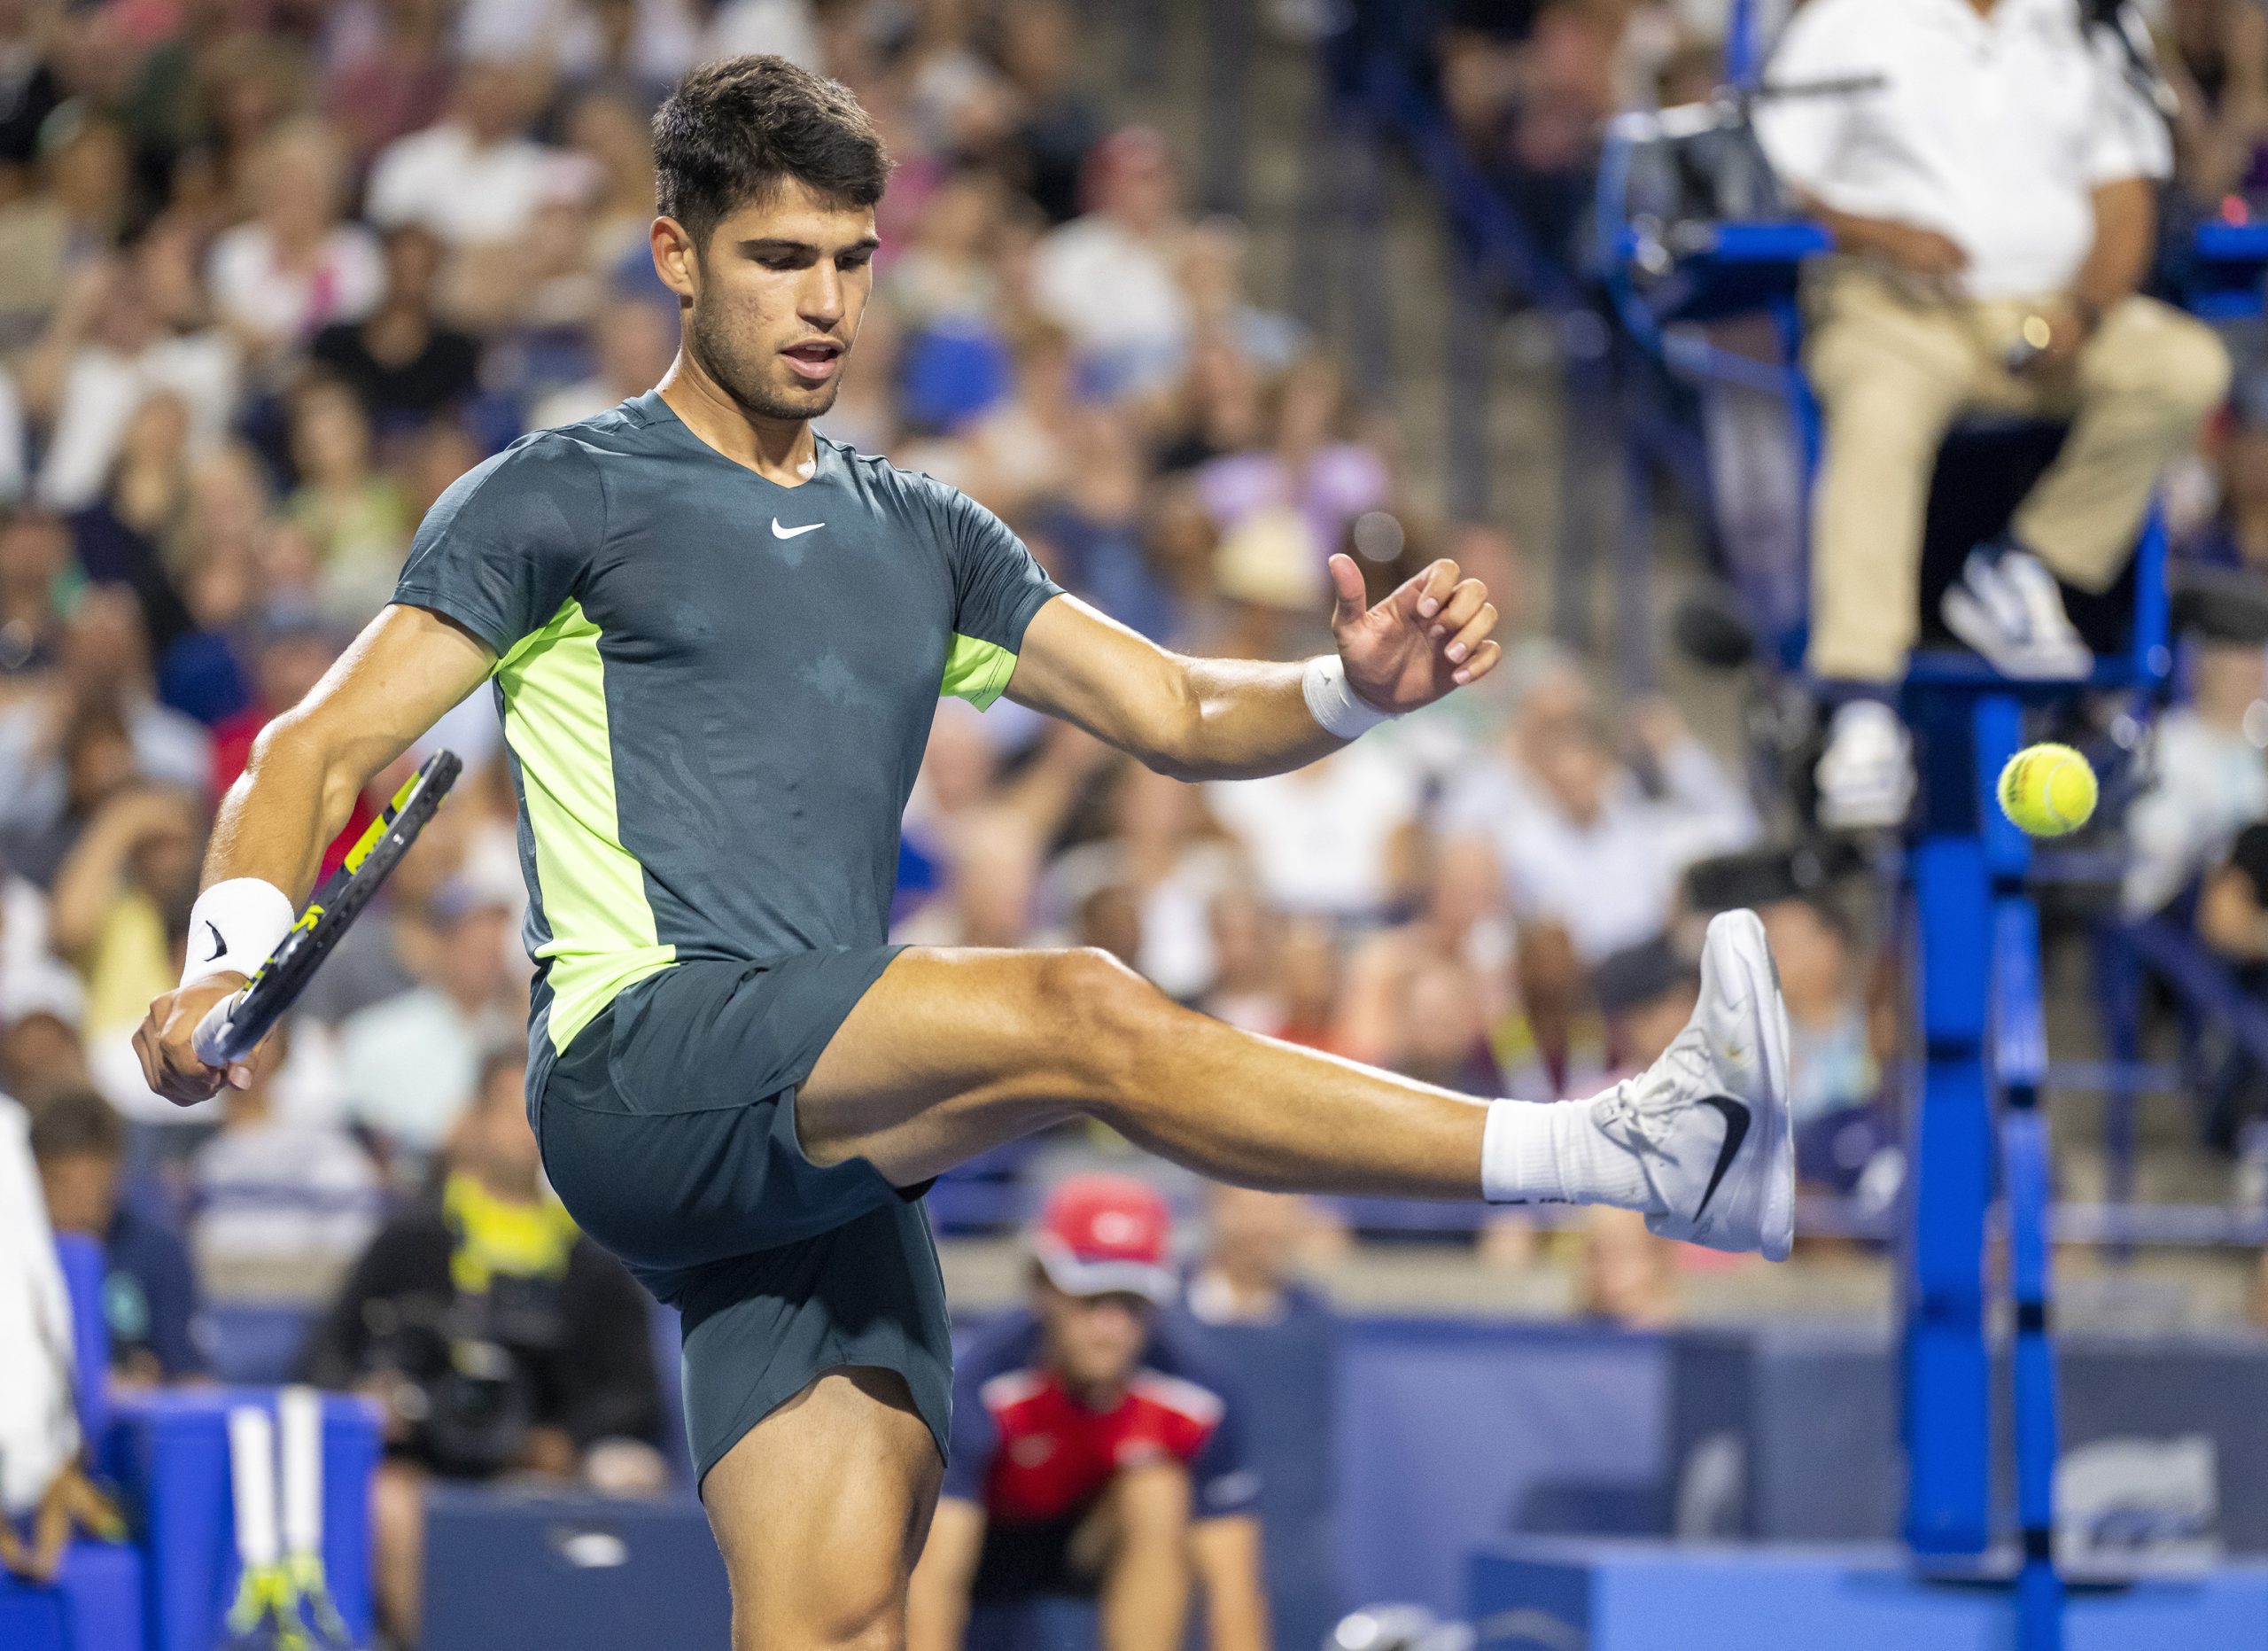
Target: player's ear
(676, 260)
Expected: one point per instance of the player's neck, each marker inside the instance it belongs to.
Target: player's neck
(781, 450)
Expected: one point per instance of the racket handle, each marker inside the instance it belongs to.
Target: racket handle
(210, 1040)
(251, 1475)
(298, 1414)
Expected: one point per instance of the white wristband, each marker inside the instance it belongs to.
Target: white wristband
(1331, 703)
(233, 927)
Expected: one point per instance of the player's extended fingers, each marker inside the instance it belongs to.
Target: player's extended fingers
(1485, 659)
(1470, 635)
(1428, 590)
(1349, 599)
(181, 1077)
(1457, 611)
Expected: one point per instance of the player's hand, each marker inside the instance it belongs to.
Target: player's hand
(1431, 635)
(169, 1064)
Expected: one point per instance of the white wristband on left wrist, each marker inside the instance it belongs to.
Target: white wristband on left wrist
(233, 927)
(1333, 704)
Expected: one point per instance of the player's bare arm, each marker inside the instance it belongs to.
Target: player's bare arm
(307, 767)
(1238, 719)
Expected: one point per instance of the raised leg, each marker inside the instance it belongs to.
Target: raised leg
(821, 1511)
(954, 1052)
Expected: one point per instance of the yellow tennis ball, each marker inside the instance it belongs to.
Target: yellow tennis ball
(2048, 790)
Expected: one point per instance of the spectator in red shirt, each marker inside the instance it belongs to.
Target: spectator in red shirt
(1093, 1457)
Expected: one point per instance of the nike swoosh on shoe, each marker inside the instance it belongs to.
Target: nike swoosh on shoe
(1736, 1116)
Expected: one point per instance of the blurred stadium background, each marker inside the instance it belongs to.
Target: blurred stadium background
(1192, 293)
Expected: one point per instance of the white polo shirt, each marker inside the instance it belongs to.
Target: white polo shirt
(1992, 129)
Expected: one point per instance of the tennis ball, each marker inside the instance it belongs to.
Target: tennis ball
(2048, 790)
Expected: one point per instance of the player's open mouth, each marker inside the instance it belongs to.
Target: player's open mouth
(815, 360)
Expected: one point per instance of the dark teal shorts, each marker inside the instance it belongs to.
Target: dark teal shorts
(668, 1129)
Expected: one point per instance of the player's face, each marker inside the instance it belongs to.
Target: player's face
(777, 295)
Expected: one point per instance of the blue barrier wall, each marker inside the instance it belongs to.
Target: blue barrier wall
(1452, 1434)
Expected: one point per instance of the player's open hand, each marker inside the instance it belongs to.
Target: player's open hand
(1430, 636)
(168, 1063)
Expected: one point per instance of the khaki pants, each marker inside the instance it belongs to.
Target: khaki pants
(1894, 368)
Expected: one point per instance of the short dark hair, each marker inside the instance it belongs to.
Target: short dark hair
(76, 1123)
(737, 129)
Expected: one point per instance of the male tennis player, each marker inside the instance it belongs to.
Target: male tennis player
(717, 643)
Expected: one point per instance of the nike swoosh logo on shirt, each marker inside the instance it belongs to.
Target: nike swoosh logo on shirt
(219, 945)
(779, 532)
(1736, 1119)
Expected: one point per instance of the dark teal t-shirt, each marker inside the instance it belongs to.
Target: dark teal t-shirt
(716, 690)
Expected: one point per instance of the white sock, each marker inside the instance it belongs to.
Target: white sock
(1554, 1152)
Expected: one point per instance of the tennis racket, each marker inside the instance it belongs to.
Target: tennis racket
(236, 1023)
(266, 1615)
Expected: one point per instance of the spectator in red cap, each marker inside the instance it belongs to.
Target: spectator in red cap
(1094, 1458)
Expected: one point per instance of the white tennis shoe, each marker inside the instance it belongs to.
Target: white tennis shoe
(2010, 609)
(1709, 1121)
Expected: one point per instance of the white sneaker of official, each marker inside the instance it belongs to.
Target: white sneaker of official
(1866, 774)
(1709, 1121)
(2009, 609)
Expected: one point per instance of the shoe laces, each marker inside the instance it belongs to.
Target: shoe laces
(1649, 1105)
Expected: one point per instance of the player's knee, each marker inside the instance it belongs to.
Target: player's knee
(1102, 1017)
(853, 1618)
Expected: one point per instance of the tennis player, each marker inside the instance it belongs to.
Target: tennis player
(716, 641)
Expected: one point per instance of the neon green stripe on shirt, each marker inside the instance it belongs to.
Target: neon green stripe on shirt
(592, 889)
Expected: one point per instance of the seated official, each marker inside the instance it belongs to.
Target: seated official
(1093, 1457)
(498, 1339)
(1990, 198)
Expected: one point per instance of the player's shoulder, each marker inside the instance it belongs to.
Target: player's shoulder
(567, 464)
(628, 427)
(542, 461)
(891, 487)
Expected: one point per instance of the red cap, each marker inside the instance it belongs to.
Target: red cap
(1099, 1234)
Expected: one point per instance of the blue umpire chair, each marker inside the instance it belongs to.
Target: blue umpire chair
(1979, 1131)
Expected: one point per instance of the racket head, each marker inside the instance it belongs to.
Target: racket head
(239, 1024)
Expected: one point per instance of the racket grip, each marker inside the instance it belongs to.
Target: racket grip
(299, 1418)
(210, 1040)
(251, 1478)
